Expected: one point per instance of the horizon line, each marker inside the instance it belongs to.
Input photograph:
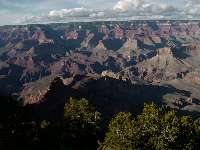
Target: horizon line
(93, 21)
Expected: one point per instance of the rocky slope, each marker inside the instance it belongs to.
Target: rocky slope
(137, 52)
(163, 66)
(108, 95)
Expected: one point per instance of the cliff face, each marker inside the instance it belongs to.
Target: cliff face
(107, 94)
(163, 66)
(130, 49)
(137, 52)
(33, 92)
(193, 77)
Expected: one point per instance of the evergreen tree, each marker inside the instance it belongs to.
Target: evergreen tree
(156, 128)
(81, 124)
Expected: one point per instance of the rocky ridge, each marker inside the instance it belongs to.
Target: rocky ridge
(138, 52)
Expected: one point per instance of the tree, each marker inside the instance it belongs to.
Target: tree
(81, 124)
(121, 133)
(155, 128)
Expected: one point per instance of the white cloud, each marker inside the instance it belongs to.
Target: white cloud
(126, 5)
(74, 12)
(97, 14)
(153, 7)
(192, 8)
(123, 10)
(67, 15)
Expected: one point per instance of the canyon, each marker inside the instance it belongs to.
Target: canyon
(134, 61)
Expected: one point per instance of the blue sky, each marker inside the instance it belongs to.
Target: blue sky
(44, 11)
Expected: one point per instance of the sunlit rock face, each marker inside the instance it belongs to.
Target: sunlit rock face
(193, 77)
(163, 66)
(139, 52)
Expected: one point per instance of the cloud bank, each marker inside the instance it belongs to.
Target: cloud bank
(122, 10)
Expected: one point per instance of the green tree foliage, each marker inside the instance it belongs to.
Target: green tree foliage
(44, 124)
(120, 134)
(81, 124)
(155, 128)
(77, 130)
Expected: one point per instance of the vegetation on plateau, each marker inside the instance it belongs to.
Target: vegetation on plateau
(82, 127)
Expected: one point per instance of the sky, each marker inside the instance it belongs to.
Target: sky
(48, 11)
